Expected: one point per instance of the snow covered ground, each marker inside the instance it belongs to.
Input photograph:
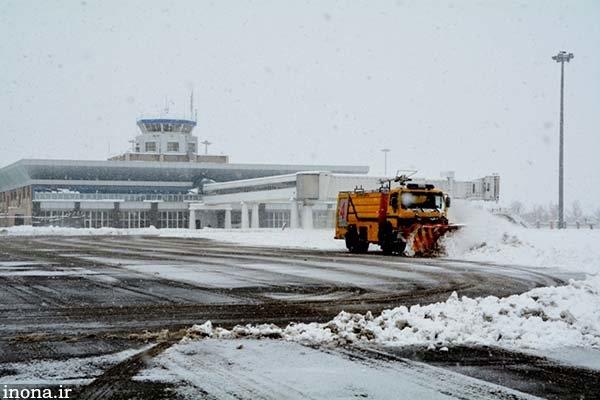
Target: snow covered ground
(540, 319)
(269, 369)
(486, 237)
(543, 318)
(483, 238)
(74, 371)
(318, 239)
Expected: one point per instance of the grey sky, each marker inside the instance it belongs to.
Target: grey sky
(463, 85)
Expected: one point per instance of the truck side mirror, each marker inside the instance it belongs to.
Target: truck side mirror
(447, 201)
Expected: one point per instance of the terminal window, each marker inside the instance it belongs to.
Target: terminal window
(173, 146)
(150, 146)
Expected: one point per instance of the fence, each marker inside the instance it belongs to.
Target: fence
(118, 196)
(568, 225)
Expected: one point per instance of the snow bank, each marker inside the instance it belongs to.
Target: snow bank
(486, 237)
(541, 319)
(319, 239)
(28, 230)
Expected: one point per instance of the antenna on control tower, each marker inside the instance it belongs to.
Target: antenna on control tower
(192, 104)
(166, 105)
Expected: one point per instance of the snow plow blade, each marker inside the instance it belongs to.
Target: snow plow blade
(423, 239)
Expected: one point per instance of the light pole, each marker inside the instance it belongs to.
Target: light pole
(561, 57)
(206, 143)
(385, 157)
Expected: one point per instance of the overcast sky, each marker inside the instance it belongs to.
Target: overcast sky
(468, 86)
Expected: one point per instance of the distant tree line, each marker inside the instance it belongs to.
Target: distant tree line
(545, 215)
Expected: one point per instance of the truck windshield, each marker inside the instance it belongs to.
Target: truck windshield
(422, 200)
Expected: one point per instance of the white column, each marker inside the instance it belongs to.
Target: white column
(244, 215)
(192, 222)
(307, 217)
(227, 219)
(294, 214)
(255, 223)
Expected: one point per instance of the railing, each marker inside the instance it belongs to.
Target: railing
(117, 196)
(568, 225)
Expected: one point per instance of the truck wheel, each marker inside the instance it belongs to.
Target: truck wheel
(356, 243)
(387, 248)
(363, 240)
(396, 247)
(386, 238)
(363, 246)
(352, 239)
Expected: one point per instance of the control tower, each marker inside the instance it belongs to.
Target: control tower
(167, 139)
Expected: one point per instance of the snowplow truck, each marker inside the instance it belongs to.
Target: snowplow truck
(410, 217)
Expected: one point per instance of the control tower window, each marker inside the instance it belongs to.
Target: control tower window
(150, 147)
(172, 146)
(153, 127)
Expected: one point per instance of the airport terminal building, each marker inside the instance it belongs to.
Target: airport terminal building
(305, 199)
(152, 185)
(121, 194)
(164, 182)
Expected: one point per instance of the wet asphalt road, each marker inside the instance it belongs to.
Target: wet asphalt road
(105, 294)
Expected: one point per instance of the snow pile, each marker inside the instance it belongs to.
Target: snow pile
(317, 239)
(28, 230)
(489, 238)
(542, 318)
